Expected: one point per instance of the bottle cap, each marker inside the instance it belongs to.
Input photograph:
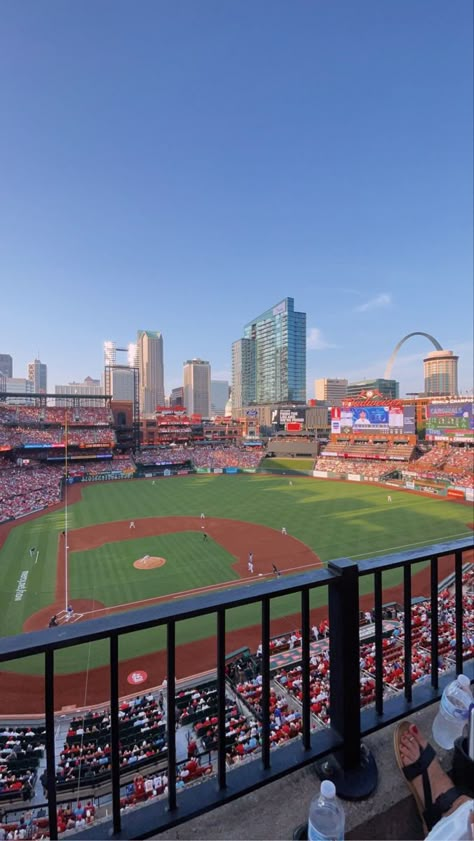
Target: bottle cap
(328, 789)
(464, 681)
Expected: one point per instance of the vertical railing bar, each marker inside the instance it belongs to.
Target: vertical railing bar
(50, 742)
(221, 753)
(266, 682)
(305, 653)
(115, 732)
(434, 624)
(171, 713)
(407, 628)
(378, 642)
(459, 609)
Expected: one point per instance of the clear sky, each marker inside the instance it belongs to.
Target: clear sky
(181, 165)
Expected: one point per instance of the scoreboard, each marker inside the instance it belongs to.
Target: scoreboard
(450, 422)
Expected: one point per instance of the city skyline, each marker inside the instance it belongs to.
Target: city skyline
(322, 160)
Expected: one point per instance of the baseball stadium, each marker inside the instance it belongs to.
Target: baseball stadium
(213, 562)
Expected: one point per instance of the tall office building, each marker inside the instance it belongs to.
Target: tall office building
(120, 378)
(331, 391)
(219, 396)
(38, 375)
(279, 369)
(243, 375)
(149, 354)
(177, 396)
(20, 385)
(197, 387)
(386, 388)
(6, 365)
(441, 373)
(89, 391)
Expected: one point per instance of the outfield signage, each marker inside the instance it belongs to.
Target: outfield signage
(283, 417)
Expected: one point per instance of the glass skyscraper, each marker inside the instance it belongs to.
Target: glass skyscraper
(269, 364)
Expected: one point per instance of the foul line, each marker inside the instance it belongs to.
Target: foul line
(222, 585)
(407, 545)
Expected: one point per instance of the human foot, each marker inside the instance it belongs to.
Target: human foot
(434, 793)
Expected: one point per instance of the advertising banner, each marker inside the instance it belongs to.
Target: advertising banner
(231, 470)
(290, 415)
(470, 494)
(353, 477)
(455, 494)
(320, 474)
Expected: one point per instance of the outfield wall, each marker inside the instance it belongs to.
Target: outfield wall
(423, 485)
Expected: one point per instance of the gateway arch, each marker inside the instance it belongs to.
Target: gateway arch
(388, 369)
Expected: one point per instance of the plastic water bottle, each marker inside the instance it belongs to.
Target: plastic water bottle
(453, 712)
(326, 815)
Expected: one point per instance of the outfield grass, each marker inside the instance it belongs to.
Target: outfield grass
(335, 519)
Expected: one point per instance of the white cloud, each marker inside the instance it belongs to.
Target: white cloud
(379, 302)
(316, 341)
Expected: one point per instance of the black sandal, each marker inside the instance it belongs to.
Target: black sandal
(430, 812)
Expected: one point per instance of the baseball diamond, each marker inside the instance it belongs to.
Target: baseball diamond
(98, 572)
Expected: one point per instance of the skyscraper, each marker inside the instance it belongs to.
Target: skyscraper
(197, 387)
(6, 365)
(441, 373)
(120, 379)
(243, 375)
(331, 391)
(219, 396)
(38, 375)
(279, 366)
(149, 353)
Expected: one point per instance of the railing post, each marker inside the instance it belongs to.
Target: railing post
(221, 753)
(352, 769)
(50, 746)
(115, 732)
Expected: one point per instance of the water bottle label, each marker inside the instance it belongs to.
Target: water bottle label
(453, 710)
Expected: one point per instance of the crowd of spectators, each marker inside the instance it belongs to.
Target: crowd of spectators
(34, 824)
(163, 455)
(230, 456)
(26, 489)
(202, 456)
(447, 464)
(19, 415)
(86, 752)
(362, 467)
(122, 464)
(24, 436)
(21, 749)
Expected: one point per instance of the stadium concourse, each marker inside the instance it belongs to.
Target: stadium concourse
(83, 771)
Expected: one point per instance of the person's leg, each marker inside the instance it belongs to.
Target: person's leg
(433, 790)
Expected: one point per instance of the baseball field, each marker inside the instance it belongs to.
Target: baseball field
(171, 551)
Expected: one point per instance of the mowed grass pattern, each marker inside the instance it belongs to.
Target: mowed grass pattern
(115, 581)
(335, 519)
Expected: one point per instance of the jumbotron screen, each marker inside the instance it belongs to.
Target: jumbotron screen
(388, 420)
(450, 422)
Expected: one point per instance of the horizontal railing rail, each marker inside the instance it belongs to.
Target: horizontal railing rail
(342, 738)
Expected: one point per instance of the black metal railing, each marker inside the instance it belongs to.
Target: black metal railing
(348, 724)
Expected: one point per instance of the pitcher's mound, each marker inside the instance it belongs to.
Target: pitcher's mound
(149, 562)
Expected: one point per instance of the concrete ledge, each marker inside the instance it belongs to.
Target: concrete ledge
(276, 810)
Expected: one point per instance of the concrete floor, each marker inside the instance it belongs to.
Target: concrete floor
(273, 812)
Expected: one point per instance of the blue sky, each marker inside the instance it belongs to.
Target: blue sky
(181, 166)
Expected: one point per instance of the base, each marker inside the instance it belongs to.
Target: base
(355, 783)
